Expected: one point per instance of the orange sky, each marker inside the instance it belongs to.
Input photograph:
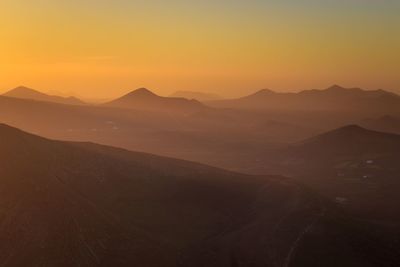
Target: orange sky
(102, 49)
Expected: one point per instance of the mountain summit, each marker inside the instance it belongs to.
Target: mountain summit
(335, 87)
(144, 99)
(262, 92)
(141, 92)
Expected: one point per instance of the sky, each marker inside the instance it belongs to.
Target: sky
(102, 49)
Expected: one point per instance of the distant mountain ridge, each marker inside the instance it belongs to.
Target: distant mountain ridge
(145, 99)
(333, 98)
(28, 93)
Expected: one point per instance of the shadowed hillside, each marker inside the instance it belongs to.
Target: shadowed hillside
(388, 123)
(220, 137)
(81, 204)
(353, 165)
(350, 142)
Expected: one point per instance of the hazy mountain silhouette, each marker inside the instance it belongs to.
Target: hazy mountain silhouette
(200, 96)
(212, 136)
(28, 93)
(351, 163)
(348, 143)
(144, 99)
(81, 204)
(350, 140)
(334, 98)
(229, 138)
(388, 123)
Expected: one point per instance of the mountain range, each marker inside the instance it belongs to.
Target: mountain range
(69, 203)
(334, 98)
(229, 138)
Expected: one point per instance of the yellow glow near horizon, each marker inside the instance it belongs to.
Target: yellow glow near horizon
(104, 48)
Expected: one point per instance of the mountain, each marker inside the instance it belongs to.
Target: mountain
(387, 123)
(351, 163)
(334, 98)
(144, 99)
(349, 141)
(346, 147)
(220, 137)
(228, 138)
(81, 204)
(200, 96)
(28, 93)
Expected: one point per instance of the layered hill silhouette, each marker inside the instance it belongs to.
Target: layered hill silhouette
(81, 204)
(348, 147)
(200, 96)
(334, 98)
(227, 138)
(28, 93)
(144, 99)
(211, 136)
(348, 141)
(387, 123)
(355, 165)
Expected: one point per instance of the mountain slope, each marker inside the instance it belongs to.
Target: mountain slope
(351, 140)
(352, 165)
(200, 96)
(143, 99)
(80, 204)
(210, 136)
(348, 148)
(28, 93)
(387, 123)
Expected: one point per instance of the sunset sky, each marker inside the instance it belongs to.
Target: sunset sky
(98, 48)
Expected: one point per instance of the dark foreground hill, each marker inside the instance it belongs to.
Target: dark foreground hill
(81, 204)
